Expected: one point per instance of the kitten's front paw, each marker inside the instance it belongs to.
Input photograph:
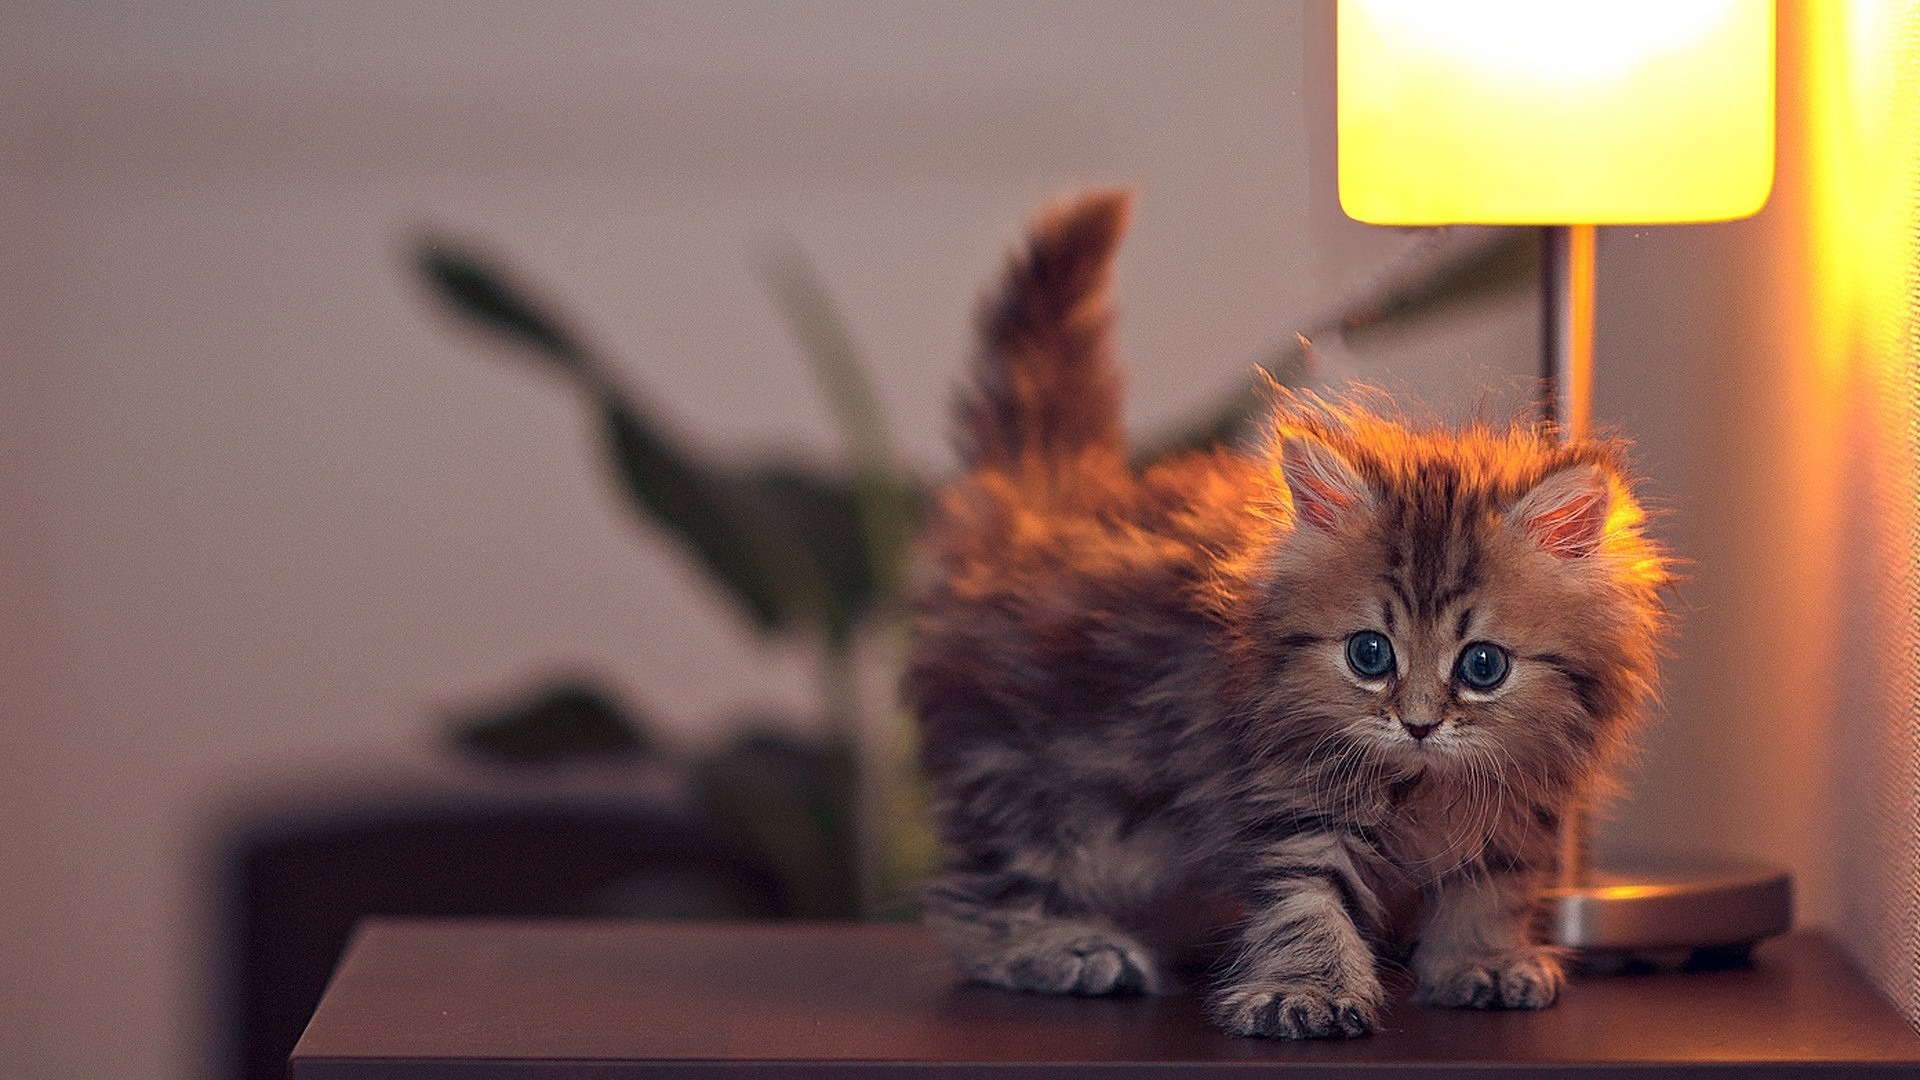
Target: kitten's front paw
(1296, 1010)
(1520, 981)
(1085, 963)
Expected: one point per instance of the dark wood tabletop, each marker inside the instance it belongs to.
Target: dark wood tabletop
(440, 1000)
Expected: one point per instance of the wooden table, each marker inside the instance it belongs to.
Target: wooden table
(465, 1000)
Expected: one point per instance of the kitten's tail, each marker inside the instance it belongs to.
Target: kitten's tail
(1045, 390)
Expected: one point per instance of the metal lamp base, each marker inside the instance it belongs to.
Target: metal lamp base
(1667, 910)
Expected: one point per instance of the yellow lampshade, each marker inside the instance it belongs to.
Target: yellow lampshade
(1535, 112)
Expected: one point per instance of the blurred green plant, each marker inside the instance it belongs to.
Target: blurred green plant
(818, 555)
(568, 719)
(795, 549)
(799, 552)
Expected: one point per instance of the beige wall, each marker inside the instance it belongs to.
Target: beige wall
(261, 513)
(1767, 368)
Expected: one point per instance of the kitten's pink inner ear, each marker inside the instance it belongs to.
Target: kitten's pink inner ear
(1567, 512)
(1324, 487)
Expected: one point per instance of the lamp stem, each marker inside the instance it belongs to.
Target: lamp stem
(1567, 256)
(1688, 903)
(1567, 329)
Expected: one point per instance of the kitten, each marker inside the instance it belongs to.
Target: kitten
(1294, 704)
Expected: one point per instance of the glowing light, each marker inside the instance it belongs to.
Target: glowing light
(1629, 892)
(1857, 402)
(1569, 112)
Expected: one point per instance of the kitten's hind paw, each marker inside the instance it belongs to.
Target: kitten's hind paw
(1299, 1010)
(1520, 981)
(1086, 962)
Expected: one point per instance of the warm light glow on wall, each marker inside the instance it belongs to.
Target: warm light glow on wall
(1861, 176)
(1861, 281)
(1554, 111)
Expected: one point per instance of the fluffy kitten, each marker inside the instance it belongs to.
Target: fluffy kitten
(1292, 704)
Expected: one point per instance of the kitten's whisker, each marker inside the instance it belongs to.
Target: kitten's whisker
(1486, 810)
(1492, 811)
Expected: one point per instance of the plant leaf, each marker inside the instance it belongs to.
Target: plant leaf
(1454, 267)
(471, 287)
(569, 718)
(791, 547)
(818, 517)
(883, 499)
(696, 505)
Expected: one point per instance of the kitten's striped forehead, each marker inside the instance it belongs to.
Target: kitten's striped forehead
(1433, 527)
(1442, 493)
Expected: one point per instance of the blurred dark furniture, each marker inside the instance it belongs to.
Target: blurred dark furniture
(301, 864)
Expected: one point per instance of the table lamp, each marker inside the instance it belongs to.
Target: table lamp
(1571, 114)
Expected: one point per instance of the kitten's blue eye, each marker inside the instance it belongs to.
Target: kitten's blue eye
(1369, 654)
(1483, 665)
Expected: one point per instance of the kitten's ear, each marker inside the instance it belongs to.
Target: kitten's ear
(1567, 512)
(1324, 487)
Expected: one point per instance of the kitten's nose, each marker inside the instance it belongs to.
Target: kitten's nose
(1419, 729)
